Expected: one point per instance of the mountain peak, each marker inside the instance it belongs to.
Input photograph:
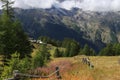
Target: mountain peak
(84, 26)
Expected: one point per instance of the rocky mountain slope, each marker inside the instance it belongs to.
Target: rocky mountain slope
(93, 28)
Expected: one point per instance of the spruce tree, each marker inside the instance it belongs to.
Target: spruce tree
(87, 51)
(57, 53)
(111, 50)
(92, 52)
(41, 57)
(71, 47)
(74, 48)
(7, 8)
(15, 63)
(12, 36)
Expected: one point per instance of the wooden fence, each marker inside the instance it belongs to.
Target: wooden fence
(84, 60)
(17, 75)
(87, 61)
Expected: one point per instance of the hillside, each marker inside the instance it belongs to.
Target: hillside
(93, 28)
(74, 69)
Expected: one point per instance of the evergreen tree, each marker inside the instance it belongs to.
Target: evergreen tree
(25, 64)
(85, 50)
(15, 63)
(12, 36)
(38, 60)
(58, 43)
(7, 8)
(107, 50)
(110, 50)
(116, 48)
(92, 52)
(65, 42)
(57, 53)
(74, 49)
(71, 47)
(67, 50)
(103, 52)
(41, 57)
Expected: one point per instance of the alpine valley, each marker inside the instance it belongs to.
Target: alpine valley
(87, 27)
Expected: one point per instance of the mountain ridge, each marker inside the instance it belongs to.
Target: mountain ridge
(93, 28)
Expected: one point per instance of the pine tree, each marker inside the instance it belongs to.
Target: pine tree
(116, 48)
(7, 9)
(57, 53)
(74, 50)
(67, 50)
(12, 64)
(92, 52)
(15, 63)
(107, 51)
(71, 47)
(41, 57)
(85, 50)
(12, 36)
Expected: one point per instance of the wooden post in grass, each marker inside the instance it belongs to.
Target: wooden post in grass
(16, 75)
(58, 73)
(87, 61)
(90, 65)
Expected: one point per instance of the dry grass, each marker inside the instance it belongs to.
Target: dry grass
(105, 68)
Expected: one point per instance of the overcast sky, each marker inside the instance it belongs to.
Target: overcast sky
(93, 5)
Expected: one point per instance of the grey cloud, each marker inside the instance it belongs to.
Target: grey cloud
(92, 5)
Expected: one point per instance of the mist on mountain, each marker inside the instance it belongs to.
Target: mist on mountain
(92, 5)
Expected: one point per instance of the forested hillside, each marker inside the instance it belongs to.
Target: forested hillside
(94, 28)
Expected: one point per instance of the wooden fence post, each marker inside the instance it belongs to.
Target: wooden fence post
(58, 73)
(16, 75)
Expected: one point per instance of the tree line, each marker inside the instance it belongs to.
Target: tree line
(73, 48)
(70, 47)
(111, 49)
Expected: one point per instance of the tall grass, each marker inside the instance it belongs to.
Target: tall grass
(105, 68)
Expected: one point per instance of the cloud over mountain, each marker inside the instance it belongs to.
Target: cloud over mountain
(93, 5)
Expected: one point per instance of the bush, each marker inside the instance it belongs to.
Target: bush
(15, 63)
(41, 57)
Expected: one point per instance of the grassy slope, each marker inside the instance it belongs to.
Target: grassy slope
(105, 68)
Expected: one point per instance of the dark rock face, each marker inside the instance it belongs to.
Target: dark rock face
(93, 28)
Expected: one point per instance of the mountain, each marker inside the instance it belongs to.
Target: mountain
(94, 28)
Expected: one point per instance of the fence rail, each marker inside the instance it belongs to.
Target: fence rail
(17, 75)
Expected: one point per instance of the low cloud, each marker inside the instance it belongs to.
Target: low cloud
(92, 5)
